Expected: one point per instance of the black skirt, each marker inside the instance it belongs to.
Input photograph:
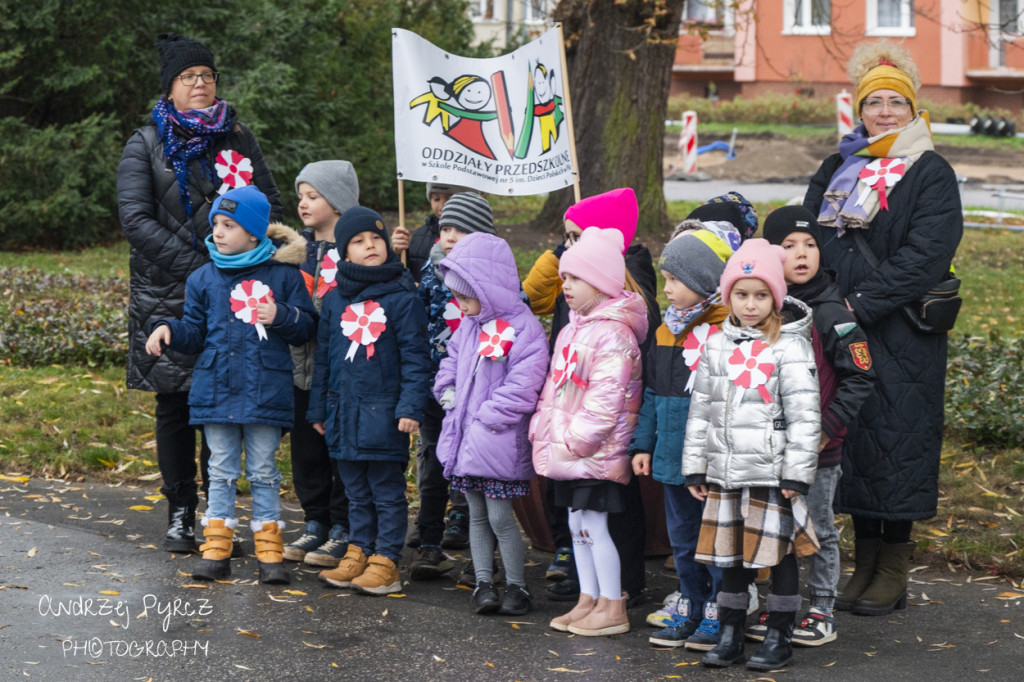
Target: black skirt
(591, 494)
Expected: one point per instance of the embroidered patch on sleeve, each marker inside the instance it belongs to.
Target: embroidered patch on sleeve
(844, 328)
(861, 356)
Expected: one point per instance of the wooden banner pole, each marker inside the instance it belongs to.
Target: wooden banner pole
(401, 212)
(568, 116)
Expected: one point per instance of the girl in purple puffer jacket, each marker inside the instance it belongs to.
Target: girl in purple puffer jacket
(488, 385)
(586, 418)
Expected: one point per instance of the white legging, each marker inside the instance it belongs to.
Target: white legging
(597, 560)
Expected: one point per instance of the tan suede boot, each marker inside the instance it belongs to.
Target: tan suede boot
(269, 552)
(380, 577)
(583, 607)
(608, 618)
(350, 568)
(216, 561)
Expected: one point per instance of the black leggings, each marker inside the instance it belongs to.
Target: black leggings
(891, 532)
(785, 577)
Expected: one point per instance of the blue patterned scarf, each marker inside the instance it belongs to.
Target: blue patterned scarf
(187, 135)
(677, 320)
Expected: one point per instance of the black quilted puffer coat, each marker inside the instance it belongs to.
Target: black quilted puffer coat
(165, 247)
(891, 453)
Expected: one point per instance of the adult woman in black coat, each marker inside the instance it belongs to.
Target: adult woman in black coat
(171, 170)
(888, 193)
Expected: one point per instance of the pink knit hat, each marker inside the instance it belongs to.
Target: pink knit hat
(757, 259)
(616, 209)
(596, 259)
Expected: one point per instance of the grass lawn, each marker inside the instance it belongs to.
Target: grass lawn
(74, 421)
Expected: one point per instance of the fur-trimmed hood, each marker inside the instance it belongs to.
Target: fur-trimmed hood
(291, 246)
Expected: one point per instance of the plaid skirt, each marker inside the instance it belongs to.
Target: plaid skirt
(753, 528)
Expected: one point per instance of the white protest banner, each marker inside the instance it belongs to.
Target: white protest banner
(497, 125)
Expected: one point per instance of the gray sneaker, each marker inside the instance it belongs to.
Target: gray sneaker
(331, 552)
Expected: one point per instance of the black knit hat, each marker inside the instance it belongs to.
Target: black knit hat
(177, 53)
(355, 220)
(789, 219)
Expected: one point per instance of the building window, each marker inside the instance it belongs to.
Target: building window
(890, 18)
(710, 13)
(535, 11)
(1010, 21)
(808, 17)
(481, 10)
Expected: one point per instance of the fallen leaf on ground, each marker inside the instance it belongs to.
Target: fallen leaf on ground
(248, 633)
(314, 646)
(32, 552)
(140, 507)
(110, 592)
(298, 593)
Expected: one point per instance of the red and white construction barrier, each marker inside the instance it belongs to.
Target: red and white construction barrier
(844, 113)
(688, 142)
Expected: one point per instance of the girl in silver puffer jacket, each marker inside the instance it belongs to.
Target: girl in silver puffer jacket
(751, 449)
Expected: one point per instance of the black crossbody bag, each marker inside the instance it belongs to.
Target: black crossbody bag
(935, 312)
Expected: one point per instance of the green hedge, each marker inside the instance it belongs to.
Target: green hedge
(984, 395)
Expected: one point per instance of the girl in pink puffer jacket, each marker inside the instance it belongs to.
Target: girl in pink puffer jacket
(585, 419)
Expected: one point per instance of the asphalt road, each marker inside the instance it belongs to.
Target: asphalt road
(63, 544)
(971, 194)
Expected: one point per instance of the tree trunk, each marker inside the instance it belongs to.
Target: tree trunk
(620, 55)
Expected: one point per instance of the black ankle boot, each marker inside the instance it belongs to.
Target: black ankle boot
(775, 651)
(181, 535)
(729, 649)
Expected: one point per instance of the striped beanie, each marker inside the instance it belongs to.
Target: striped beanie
(467, 212)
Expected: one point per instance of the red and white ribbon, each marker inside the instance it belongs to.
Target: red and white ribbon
(363, 323)
(496, 339)
(878, 175)
(233, 169)
(693, 348)
(750, 366)
(328, 272)
(564, 369)
(244, 299)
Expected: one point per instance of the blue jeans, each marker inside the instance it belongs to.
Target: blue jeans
(261, 443)
(699, 583)
(377, 508)
(823, 567)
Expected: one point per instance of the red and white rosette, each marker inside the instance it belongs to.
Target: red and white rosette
(693, 348)
(233, 169)
(750, 366)
(363, 323)
(244, 299)
(565, 367)
(453, 315)
(878, 175)
(328, 272)
(496, 339)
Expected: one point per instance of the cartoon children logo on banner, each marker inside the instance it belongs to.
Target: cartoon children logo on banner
(244, 299)
(462, 107)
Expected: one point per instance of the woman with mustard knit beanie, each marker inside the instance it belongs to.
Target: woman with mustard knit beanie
(891, 220)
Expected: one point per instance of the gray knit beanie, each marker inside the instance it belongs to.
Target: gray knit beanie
(458, 285)
(335, 180)
(694, 258)
(468, 212)
(446, 188)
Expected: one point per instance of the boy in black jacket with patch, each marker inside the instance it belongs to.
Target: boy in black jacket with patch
(846, 379)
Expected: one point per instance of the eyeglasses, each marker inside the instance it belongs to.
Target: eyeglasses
(189, 79)
(875, 105)
(571, 238)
